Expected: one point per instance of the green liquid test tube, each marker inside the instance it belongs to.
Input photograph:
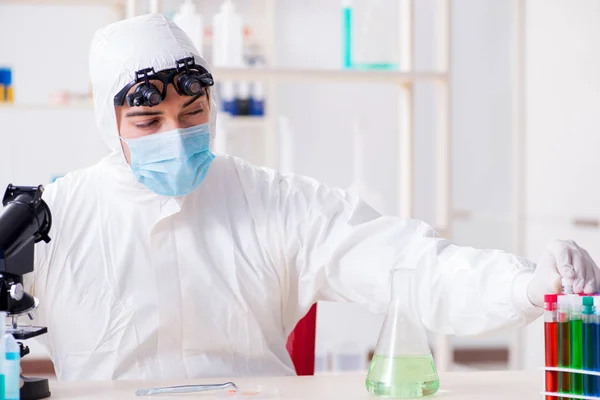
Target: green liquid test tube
(576, 357)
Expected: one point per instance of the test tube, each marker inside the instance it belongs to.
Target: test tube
(564, 344)
(588, 317)
(597, 343)
(576, 356)
(551, 342)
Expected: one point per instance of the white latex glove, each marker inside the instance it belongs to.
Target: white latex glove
(563, 263)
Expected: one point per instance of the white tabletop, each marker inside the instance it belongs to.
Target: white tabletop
(453, 386)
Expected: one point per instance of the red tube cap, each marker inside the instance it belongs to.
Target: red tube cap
(550, 298)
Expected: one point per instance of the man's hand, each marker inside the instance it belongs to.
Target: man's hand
(563, 263)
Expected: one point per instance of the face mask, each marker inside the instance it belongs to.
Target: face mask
(171, 163)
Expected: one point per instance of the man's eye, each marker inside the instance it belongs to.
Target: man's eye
(147, 125)
(196, 112)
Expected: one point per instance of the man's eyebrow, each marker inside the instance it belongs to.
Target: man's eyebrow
(143, 113)
(196, 97)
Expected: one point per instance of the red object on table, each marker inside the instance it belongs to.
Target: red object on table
(301, 343)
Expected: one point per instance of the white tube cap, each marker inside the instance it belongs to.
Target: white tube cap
(564, 301)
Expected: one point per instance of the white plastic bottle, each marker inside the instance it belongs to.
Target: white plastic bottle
(228, 37)
(257, 97)
(191, 23)
(12, 368)
(228, 50)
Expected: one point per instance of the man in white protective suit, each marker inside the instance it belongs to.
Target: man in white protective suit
(169, 262)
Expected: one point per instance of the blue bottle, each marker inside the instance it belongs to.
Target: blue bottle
(12, 368)
(227, 92)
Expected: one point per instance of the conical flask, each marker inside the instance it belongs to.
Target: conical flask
(402, 366)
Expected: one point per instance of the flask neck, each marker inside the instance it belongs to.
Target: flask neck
(404, 289)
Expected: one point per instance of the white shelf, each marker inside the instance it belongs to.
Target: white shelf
(332, 75)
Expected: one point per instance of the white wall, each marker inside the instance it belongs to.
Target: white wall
(309, 35)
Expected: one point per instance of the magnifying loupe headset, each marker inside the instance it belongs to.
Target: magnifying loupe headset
(188, 79)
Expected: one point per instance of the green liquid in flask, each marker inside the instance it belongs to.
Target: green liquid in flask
(403, 377)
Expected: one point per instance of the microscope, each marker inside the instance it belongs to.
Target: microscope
(24, 221)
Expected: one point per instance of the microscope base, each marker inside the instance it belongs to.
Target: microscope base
(35, 388)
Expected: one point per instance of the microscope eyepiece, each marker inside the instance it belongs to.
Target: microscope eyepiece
(25, 218)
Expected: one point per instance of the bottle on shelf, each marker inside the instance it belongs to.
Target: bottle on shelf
(257, 95)
(6, 89)
(192, 23)
(243, 98)
(228, 49)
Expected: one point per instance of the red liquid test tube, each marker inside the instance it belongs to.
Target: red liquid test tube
(551, 342)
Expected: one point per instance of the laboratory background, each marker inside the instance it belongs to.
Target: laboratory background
(479, 117)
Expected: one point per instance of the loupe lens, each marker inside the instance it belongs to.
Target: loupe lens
(194, 87)
(190, 86)
(154, 98)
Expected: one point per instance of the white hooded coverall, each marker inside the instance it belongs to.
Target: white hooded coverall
(135, 285)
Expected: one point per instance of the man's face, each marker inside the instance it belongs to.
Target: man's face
(175, 112)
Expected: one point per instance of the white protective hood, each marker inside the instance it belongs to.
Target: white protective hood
(121, 49)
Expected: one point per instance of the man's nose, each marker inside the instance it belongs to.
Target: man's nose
(174, 124)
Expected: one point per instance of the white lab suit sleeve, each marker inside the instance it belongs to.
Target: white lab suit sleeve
(337, 248)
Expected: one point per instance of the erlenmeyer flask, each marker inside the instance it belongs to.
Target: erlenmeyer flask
(402, 366)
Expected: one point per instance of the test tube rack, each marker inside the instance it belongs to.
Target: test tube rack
(585, 372)
(572, 351)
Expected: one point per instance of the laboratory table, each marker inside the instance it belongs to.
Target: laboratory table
(454, 386)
